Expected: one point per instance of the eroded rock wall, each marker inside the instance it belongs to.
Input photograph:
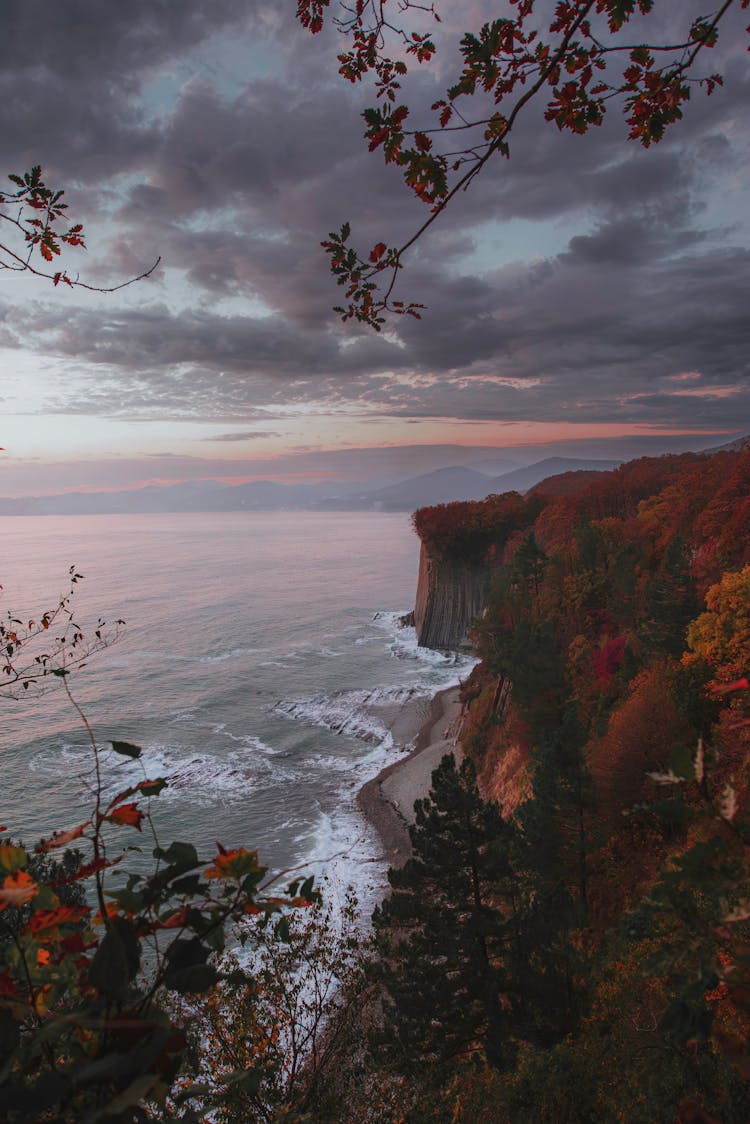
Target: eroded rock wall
(450, 595)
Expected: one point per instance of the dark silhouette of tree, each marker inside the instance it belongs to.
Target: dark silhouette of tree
(556, 841)
(444, 933)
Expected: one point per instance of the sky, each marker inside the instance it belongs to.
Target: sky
(585, 289)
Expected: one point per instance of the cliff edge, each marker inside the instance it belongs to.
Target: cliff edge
(450, 594)
(462, 544)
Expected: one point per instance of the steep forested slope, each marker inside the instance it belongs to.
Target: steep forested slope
(609, 719)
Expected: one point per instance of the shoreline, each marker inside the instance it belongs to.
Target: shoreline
(387, 801)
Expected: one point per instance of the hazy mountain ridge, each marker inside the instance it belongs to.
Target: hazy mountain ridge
(443, 485)
(373, 484)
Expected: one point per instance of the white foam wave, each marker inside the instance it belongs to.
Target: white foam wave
(404, 646)
(390, 620)
(201, 778)
(346, 852)
(363, 714)
(249, 741)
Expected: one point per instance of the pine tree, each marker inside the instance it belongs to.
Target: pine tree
(554, 844)
(443, 935)
(671, 601)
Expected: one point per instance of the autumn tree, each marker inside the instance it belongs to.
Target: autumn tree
(262, 1039)
(576, 61)
(721, 635)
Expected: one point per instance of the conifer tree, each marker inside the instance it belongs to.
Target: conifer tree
(554, 844)
(444, 934)
(671, 601)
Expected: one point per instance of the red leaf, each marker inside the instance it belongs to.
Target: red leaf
(45, 919)
(62, 838)
(85, 870)
(233, 864)
(725, 688)
(129, 814)
(378, 251)
(147, 787)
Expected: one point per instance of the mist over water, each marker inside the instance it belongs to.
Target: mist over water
(259, 652)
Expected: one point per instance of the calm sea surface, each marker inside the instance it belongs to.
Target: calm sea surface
(258, 651)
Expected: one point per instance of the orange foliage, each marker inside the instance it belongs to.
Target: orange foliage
(641, 730)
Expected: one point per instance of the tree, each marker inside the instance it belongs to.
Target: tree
(671, 601)
(36, 222)
(264, 1038)
(721, 635)
(82, 1034)
(576, 60)
(555, 843)
(444, 932)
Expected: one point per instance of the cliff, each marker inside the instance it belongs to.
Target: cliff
(450, 594)
(462, 543)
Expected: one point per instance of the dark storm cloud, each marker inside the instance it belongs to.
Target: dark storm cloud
(148, 343)
(568, 339)
(69, 73)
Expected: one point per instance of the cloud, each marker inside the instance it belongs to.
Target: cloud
(244, 435)
(220, 137)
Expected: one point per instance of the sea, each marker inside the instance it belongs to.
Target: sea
(261, 662)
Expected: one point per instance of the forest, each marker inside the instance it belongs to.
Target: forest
(592, 914)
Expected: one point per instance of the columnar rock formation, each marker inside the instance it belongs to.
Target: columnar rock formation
(450, 595)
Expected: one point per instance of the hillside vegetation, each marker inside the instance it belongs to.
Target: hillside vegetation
(585, 954)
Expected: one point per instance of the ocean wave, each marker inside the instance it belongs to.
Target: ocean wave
(365, 714)
(404, 646)
(202, 778)
(206, 658)
(345, 852)
(232, 654)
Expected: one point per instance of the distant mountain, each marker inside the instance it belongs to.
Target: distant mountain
(522, 479)
(735, 446)
(441, 486)
(495, 466)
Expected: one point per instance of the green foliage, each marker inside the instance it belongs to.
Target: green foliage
(441, 936)
(82, 958)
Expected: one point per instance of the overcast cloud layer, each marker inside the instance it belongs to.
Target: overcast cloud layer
(586, 280)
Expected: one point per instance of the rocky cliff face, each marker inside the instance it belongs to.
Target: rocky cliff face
(450, 594)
